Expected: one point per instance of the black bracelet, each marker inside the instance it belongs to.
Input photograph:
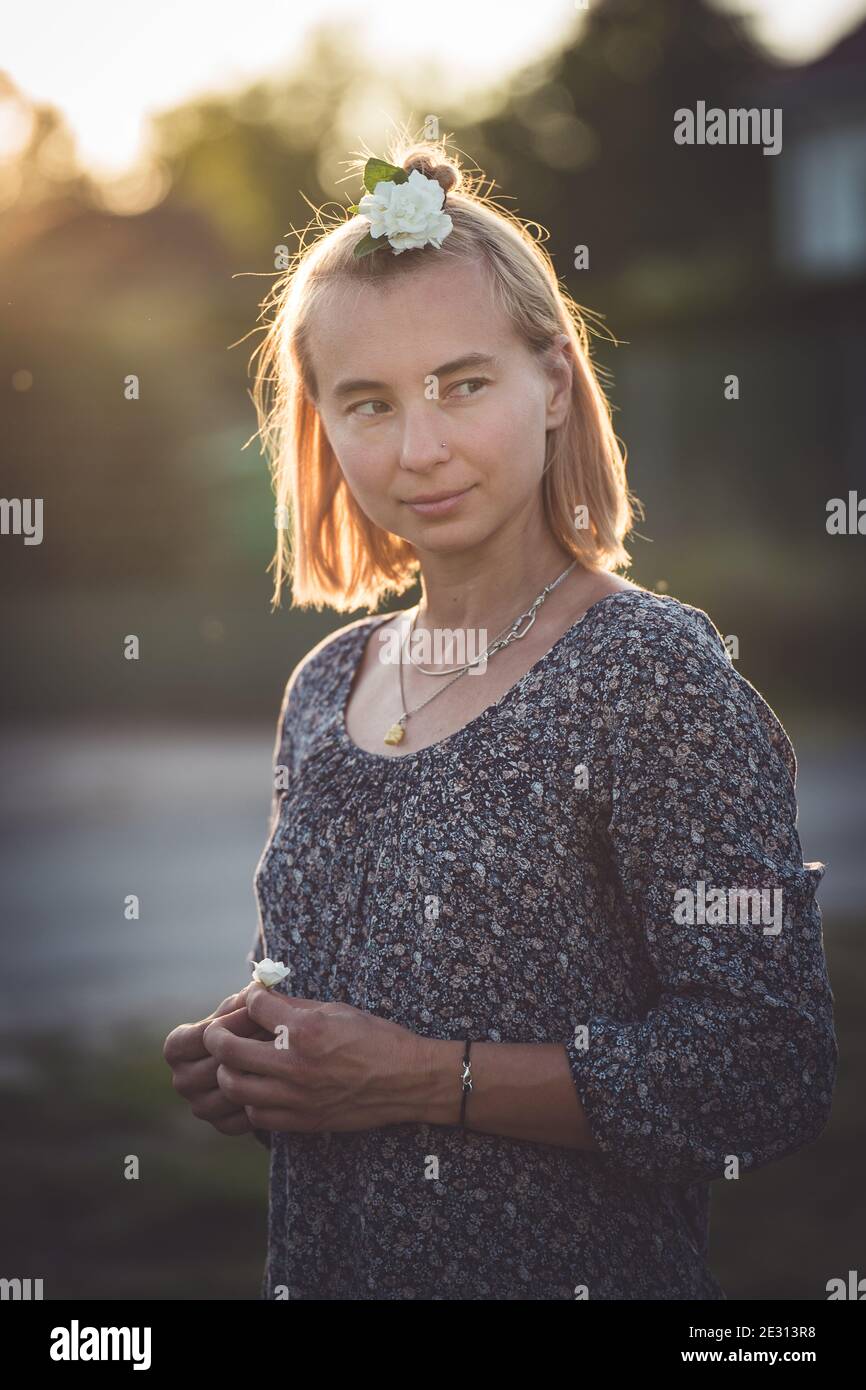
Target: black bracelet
(466, 1079)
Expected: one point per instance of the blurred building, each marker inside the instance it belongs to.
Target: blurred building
(820, 185)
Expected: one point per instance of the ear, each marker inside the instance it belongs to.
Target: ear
(560, 368)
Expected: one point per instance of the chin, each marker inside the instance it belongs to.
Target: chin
(443, 539)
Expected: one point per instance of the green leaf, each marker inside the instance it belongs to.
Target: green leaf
(375, 170)
(353, 207)
(368, 244)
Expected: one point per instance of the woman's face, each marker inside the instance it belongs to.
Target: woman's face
(425, 361)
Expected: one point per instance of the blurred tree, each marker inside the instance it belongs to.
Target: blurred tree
(589, 138)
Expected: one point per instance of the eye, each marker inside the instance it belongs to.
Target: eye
(478, 381)
(359, 408)
(473, 386)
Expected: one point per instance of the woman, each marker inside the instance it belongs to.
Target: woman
(555, 958)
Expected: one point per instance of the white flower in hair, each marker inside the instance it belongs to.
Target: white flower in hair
(405, 208)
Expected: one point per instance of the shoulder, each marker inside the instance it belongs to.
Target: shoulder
(648, 625)
(322, 669)
(335, 649)
(665, 661)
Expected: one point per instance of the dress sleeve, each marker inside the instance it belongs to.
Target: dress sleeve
(282, 769)
(731, 1049)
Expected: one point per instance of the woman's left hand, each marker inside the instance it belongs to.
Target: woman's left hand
(327, 1067)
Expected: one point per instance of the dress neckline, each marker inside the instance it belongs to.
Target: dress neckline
(366, 629)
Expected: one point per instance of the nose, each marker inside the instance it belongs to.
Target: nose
(422, 445)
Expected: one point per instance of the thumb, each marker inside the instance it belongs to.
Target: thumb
(185, 1043)
(240, 1023)
(234, 1001)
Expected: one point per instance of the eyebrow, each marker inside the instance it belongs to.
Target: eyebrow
(459, 364)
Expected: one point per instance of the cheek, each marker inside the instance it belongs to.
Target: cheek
(348, 445)
(525, 410)
(363, 463)
(511, 429)
(528, 420)
(516, 407)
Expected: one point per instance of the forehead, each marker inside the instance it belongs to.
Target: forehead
(397, 328)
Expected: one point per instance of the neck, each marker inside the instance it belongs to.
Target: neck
(491, 586)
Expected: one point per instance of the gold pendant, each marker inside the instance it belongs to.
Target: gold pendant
(395, 734)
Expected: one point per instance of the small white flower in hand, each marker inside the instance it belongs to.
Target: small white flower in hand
(270, 972)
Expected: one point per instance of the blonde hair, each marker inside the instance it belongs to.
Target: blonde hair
(333, 553)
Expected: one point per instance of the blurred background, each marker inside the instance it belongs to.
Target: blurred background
(151, 162)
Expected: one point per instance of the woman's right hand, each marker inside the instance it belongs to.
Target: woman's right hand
(193, 1069)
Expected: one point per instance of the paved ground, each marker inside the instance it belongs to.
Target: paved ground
(178, 816)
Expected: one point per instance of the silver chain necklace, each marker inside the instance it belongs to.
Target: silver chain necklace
(509, 634)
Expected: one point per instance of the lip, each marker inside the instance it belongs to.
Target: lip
(437, 504)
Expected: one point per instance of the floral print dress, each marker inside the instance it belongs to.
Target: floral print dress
(530, 879)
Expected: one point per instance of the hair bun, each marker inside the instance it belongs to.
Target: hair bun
(446, 175)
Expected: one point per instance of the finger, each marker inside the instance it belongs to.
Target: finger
(244, 1088)
(184, 1043)
(216, 1035)
(190, 1079)
(232, 1002)
(235, 1124)
(259, 1056)
(269, 1009)
(240, 1023)
(292, 1119)
(214, 1105)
